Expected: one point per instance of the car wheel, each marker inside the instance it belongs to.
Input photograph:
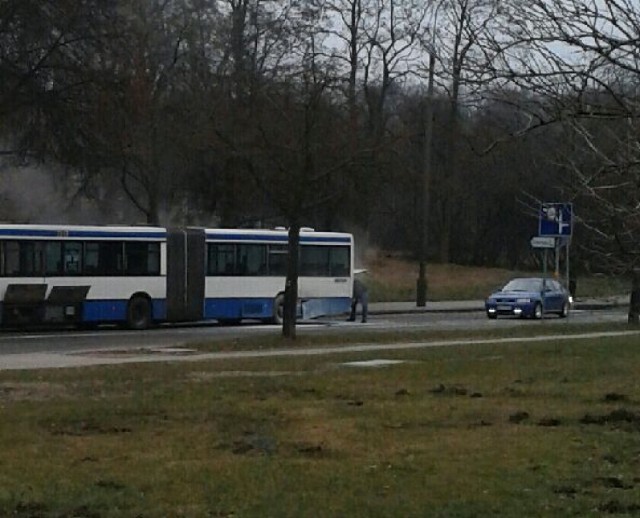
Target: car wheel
(492, 316)
(564, 312)
(537, 311)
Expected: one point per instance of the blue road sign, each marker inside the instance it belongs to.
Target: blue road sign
(555, 219)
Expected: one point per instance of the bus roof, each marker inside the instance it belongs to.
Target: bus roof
(80, 231)
(35, 231)
(275, 236)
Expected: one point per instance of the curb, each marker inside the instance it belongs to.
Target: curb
(586, 306)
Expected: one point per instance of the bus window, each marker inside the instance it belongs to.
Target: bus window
(103, 258)
(221, 259)
(11, 258)
(22, 259)
(252, 260)
(314, 261)
(153, 259)
(278, 260)
(324, 261)
(142, 258)
(53, 258)
(340, 262)
(72, 258)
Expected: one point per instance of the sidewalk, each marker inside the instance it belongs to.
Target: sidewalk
(452, 306)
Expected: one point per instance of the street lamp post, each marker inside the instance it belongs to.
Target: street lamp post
(421, 288)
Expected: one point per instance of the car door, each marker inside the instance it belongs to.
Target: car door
(553, 295)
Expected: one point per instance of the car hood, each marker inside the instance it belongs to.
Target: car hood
(514, 294)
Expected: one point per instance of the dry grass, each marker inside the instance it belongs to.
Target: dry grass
(392, 278)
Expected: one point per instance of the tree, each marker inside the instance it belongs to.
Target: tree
(460, 35)
(595, 99)
(43, 46)
(289, 140)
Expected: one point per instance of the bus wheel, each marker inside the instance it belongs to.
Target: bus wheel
(139, 313)
(278, 309)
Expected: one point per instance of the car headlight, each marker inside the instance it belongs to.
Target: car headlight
(523, 301)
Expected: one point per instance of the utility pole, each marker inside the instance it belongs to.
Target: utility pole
(421, 288)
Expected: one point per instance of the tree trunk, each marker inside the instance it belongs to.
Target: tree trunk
(634, 302)
(291, 287)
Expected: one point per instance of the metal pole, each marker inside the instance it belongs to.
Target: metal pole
(421, 287)
(566, 258)
(544, 279)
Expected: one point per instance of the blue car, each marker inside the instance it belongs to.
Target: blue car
(523, 297)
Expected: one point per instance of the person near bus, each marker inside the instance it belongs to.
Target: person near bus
(360, 296)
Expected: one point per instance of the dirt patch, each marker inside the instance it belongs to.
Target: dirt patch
(206, 376)
(616, 507)
(86, 427)
(620, 416)
(32, 391)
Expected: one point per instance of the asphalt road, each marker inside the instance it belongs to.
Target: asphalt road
(61, 341)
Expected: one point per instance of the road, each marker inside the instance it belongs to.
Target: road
(60, 341)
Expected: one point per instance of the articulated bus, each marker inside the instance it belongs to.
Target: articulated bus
(138, 276)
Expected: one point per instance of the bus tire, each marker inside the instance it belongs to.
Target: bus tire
(278, 309)
(139, 313)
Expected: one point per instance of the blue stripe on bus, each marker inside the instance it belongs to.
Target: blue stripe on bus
(104, 310)
(13, 232)
(101, 233)
(262, 308)
(325, 306)
(281, 239)
(238, 308)
(116, 310)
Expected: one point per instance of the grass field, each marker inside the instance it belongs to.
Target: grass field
(546, 428)
(529, 429)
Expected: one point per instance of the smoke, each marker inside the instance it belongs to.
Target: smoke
(50, 194)
(364, 252)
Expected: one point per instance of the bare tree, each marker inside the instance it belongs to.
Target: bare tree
(290, 143)
(459, 35)
(582, 57)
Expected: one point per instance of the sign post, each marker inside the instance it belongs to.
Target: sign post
(556, 220)
(545, 243)
(555, 224)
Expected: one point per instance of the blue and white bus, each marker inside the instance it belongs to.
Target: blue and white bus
(143, 275)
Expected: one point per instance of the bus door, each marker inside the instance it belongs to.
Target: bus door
(185, 274)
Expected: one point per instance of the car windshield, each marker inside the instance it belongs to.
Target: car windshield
(523, 285)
